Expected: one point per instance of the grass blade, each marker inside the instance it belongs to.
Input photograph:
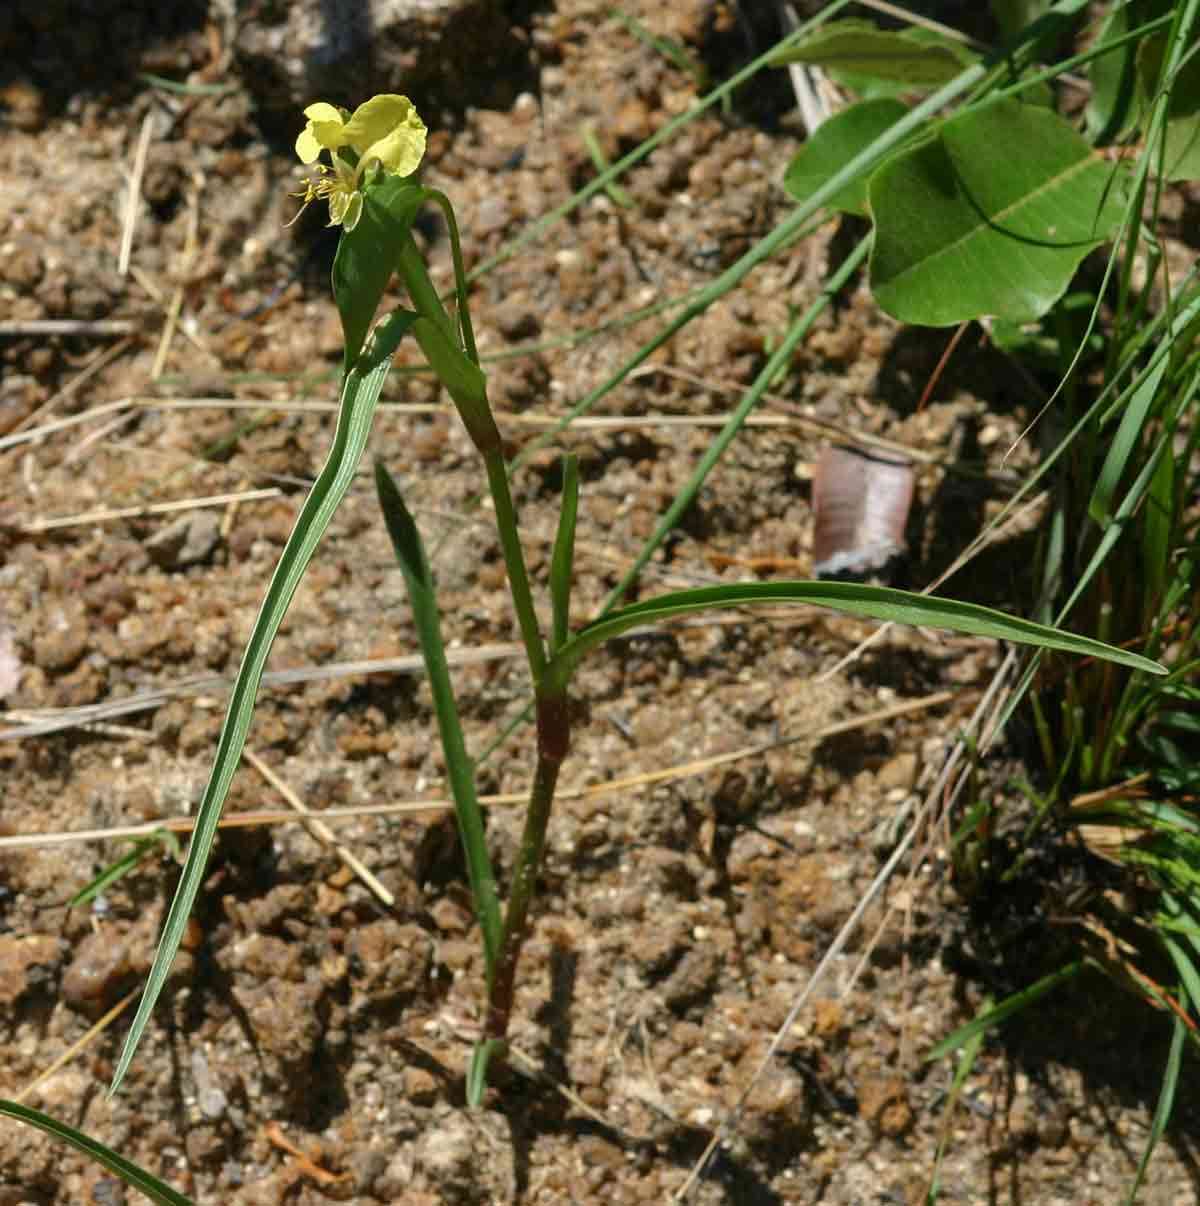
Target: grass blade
(966, 1061)
(1124, 443)
(1166, 1103)
(360, 392)
(563, 559)
(1006, 1009)
(130, 1173)
(1158, 530)
(141, 849)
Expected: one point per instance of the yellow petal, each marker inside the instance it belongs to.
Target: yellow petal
(400, 152)
(389, 129)
(325, 131)
(322, 111)
(307, 145)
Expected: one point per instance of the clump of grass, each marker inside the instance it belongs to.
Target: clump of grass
(1105, 836)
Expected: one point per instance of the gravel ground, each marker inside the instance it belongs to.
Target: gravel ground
(312, 1042)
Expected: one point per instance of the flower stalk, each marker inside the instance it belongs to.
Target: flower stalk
(554, 738)
(385, 136)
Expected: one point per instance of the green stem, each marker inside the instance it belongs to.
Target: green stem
(554, 736)
(486, 438)
(514, 560)
(460, 273)
(420, 288)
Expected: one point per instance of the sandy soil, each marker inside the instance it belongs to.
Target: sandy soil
(313, 1040)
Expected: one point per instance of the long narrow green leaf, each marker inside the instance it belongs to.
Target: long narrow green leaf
(1185, 965)
(1136, 412)
(1158, 530)
(966, 1062)
(142, 848)
(1006, 1009)
(410, 552)
(360, 392)
(130, 1173)
(873, 602)
(1166, 1103)
(562, 560)
(1114, 531)
(1127, 438)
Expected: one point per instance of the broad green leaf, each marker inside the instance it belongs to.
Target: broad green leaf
(360, 392)
(833, 145)
(992, 216)
(912, 58)
(366, 257)
(130, 1173)
(873, 602)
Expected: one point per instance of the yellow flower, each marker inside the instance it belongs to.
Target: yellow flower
(384, 132)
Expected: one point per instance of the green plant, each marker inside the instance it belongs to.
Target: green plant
(902, 156)
(378, 214)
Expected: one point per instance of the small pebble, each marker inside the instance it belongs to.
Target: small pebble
(190, 540)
